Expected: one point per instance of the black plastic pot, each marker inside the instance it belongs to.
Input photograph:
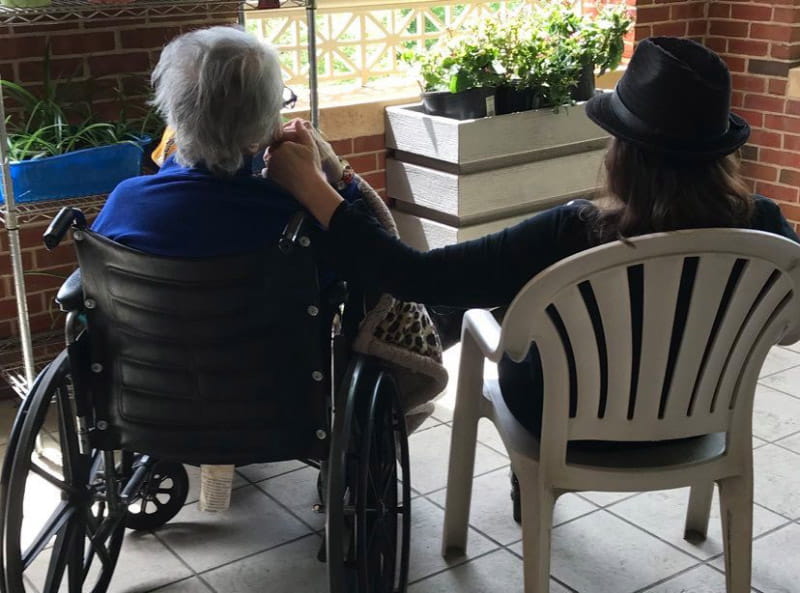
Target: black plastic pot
(584, 90)
(469, 104)
(509, 99)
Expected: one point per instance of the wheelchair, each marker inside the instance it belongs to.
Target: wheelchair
(228, 360)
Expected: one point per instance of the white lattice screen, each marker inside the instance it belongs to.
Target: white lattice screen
(358, 44)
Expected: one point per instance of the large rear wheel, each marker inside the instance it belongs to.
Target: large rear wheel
(369, 489)
(62, 519)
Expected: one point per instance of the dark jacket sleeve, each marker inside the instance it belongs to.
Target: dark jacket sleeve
(484, 272)
(768, 217)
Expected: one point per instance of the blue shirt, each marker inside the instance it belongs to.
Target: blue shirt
(190, 212)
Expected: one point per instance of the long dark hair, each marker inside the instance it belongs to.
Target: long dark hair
(649, 193)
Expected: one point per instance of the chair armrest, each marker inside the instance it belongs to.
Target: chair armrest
(70, 295)
(485, 330)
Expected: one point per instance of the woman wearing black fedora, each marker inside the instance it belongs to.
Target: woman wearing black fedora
(671, 165)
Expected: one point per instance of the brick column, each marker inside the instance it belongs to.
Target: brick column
(761, 43)
(672, 18)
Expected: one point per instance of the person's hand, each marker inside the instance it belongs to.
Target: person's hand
(293, 163)
(294, 160)
(329, 162)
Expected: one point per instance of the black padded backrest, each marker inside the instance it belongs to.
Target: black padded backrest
(208, 360)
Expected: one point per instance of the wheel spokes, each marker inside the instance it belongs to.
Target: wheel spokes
(57, 564)
(52, 480)
(52, 526)
(56, 499)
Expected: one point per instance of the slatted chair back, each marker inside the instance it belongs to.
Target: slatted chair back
(661, 337)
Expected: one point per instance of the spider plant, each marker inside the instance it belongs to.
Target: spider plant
(45, 125)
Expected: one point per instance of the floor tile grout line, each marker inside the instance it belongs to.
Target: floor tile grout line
(668, 578)
(775, 441)
(604, 506)
(245, 557)
(312, 531)
(289, 471)
(562, 583)
(194, 576)
(469, 525)
(504, 452)
(783, 370)
(480, 475)
(458, 564)
(768, 385)
(180, 559)
(769, 532)
(774, 512)
(722, 572)
(284, 507)
(253, 554)
(659, 538)
(784, 447)
(516, 541)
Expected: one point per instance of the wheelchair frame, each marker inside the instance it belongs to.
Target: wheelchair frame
(366, 494)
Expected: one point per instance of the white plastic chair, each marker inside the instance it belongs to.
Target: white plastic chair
(744, 299)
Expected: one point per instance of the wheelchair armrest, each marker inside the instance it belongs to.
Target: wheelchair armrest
(70, 295)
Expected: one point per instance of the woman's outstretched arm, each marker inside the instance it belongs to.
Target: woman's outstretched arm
(484, 272)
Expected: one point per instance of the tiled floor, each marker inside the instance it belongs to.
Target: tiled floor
(602, 542)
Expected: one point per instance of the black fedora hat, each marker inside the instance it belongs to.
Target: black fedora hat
(674, 98)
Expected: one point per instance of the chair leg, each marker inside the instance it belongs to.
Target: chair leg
(463, 441)
(698, 511)
(736, 506)
(537, 524)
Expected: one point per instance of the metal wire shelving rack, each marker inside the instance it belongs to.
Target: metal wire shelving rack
(12, 215)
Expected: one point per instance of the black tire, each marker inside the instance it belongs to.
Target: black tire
(369, 492)
(84, 522)
(5, 474)
(161, 496)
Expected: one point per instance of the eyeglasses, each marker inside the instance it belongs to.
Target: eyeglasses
(289, 98)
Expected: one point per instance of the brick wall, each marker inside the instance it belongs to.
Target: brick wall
(367, 156)
(106, 54)
(760, 42)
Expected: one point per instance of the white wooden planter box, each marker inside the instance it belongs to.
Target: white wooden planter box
(454, 180)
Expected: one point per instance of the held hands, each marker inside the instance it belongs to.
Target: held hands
(294, 163)
(294, 159)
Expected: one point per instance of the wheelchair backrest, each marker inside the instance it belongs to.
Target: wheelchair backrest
(220, 360)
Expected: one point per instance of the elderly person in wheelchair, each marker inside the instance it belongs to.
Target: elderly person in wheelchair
(202, 332)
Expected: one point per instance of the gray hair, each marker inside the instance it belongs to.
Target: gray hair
(221, 90)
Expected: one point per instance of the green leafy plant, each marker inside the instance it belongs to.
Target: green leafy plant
(457, 63)
(45, 125)
(545, 49)
(597, 40)
(603, 37)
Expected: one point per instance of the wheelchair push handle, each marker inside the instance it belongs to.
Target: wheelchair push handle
(66, 218)
(290, 235)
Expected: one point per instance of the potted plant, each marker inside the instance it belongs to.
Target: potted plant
(540, 57)
(587, 44)
(457, 76)
(60, 152)
(540, 66)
